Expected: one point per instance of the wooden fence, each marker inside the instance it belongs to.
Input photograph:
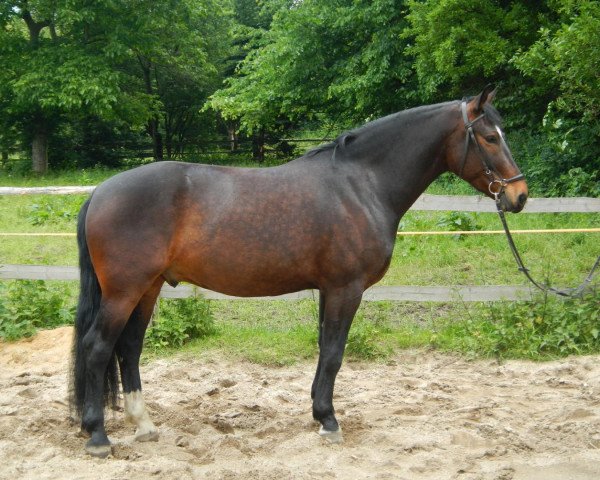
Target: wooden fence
(408, 293)
(401, 293)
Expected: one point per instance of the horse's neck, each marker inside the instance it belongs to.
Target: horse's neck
(413, 158)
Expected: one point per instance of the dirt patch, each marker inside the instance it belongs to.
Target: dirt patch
(423, 415)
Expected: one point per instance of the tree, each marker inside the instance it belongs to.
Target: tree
(178, 51)
(49, 75)
(71, 60)
(563, 64)
(335, 59)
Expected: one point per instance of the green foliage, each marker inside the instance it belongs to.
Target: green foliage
(457, 44)
(66, 79)
(109, 87)
(92, 73)
(457, 221)
(342, 58)
(566, 56)
(564, 64)
(365, 340)
(29, 305)
(576, 183)
(53, 210)
(545, 327)
(179, 321)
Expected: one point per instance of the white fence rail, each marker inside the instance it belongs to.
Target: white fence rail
(465, 203)
(413, 293)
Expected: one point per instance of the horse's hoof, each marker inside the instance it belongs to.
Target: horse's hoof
(98, 451)
(332, 437)
(151, 436)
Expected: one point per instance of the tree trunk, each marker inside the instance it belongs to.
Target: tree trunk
(39, 143)
(258, 146)
(39, 151)
(168, 141)
(153, 124)
(157, 142)
(233, 137)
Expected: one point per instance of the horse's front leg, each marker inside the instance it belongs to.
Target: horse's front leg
(339, 310)
(321, 318)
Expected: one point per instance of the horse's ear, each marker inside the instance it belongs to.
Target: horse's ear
(486, 96)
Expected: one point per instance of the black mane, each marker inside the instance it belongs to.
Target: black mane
(342, 140)
(346, 138)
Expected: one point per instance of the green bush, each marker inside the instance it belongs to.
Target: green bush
(459, 221)
(545, 327)
(176, 322)
(27, 305)
(63, 208)
(560, 160)
(365, 339)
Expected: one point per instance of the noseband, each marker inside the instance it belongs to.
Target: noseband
(497, 183)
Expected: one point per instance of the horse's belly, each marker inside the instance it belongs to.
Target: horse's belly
(246, 274)
(263, 255)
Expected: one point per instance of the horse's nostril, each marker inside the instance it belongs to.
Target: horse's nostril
(522, 199)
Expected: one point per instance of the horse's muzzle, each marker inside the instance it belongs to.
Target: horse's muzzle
(513, 205)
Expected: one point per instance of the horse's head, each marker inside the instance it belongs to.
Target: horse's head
(478, 153)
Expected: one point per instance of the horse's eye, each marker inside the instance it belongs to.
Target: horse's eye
(491, 139)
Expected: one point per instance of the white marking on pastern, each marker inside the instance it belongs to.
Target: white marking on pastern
(135, 412)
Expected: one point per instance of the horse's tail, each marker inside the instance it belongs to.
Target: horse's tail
(88, 306)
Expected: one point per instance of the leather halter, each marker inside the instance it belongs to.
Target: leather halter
(489, 170)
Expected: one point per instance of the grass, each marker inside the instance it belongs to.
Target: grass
(284, 332)
(91, 176)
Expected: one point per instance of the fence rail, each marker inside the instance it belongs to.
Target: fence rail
(414, 293)
(426, 202)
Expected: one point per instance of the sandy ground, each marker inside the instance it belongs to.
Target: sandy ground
(423, 415)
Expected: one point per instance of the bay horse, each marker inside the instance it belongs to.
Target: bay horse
(324, 221)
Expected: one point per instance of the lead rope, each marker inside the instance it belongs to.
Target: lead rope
(575, 292)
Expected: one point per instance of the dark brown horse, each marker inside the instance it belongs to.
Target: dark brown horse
(324, 221)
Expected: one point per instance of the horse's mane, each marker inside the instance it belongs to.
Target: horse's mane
(344, 139)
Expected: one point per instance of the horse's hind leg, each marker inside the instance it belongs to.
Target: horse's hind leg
(99, 343)
(128, 349)
(339, 309)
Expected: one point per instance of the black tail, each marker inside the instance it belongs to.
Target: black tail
(87, 309)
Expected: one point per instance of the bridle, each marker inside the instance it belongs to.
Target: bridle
(501, 183)
(497, 183)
